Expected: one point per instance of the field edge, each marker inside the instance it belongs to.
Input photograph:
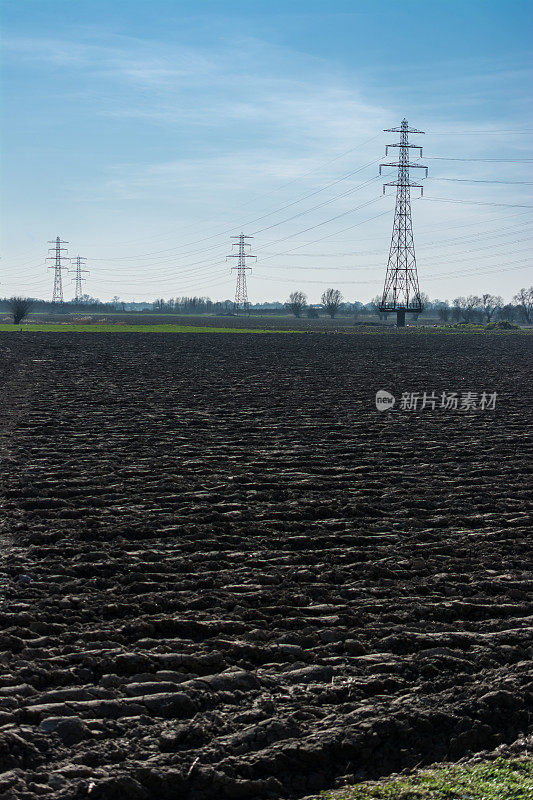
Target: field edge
(498, 779)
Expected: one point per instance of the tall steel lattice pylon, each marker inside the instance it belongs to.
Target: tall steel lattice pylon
(241, 291)
(401, 293)
(78, 279)
(57, 257)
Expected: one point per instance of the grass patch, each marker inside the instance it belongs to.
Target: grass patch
(502, 779)
(67, 327)
(119, 327)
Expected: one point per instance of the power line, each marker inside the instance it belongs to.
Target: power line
(446, 260)
(459, 253)
(325, 222)
(320, 205)
(187, 269)
(501, 268)
(472, 133)
(258, 219)
(488, 221)
(190, 270)
(490, 160)
(468, 180)
(315, 169)
(281, 222)
(476, 202)
(442, 242)
(259, 197)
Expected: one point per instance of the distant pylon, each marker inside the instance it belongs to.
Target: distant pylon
(80, 263)
(57, 296)
(401, 292)
(241, 291)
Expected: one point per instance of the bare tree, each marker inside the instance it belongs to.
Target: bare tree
(491, 303)
(331, 300)
(296, 303)
(465, 308)
(356, 308)
(443, 310)
(509, 312)
(424, 302)
(375, 304)
(20, 307)
(473, 303)
(459, 305)
(524, 300)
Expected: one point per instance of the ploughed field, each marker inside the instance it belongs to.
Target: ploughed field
(225, 574)
(253, 321)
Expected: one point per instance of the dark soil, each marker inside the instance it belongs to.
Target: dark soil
(263, 321)
(226, 575)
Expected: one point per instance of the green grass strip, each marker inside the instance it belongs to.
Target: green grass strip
(502, 779)
(67, 327)
(71, 328)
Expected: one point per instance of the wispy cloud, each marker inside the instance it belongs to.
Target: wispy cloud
(133, 59)
(232, 84)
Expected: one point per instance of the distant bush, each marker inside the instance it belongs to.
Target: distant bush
(468, 325)
(19, 307)
(502, 325)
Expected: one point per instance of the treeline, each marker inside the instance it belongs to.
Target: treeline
(486, 308)
(192, 305)
(471, 309)
(91, 304)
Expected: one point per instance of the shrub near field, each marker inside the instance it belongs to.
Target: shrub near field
(229, 575)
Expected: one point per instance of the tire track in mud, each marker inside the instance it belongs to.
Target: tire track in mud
(243, 581)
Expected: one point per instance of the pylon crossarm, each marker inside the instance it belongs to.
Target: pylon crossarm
(414, 146)
(401, 130)
(407, 165)
(408, 185)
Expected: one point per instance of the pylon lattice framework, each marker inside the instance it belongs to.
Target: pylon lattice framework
(58, 251)
(401, 292)
(78, 279)
(241, 290)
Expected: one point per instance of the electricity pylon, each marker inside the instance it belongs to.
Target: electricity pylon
(401, 293)
(58, 251)
(80, 262)
(241, 291)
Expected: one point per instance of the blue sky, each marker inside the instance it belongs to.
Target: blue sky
(146, 134)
